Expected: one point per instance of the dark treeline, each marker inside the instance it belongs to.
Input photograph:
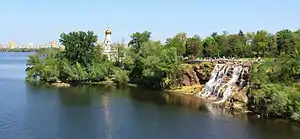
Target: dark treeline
(243, 45)
(274, 87)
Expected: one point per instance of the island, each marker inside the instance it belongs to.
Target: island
(256, 72)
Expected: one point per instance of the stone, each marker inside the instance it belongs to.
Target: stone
(61, 84)
(240, 97)
(185, 80)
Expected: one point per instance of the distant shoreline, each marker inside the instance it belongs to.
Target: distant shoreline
(19, 50)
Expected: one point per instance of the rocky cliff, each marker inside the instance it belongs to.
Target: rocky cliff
(220, 81)
(197, 73)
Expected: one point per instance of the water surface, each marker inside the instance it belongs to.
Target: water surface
(38, 112)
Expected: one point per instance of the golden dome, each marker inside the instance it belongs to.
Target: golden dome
(107, 31)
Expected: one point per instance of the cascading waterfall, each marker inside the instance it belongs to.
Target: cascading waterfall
(221, 83)
(235, 76)
(218, 74)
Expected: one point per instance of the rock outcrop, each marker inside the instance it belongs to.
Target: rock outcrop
(198, 73)
(60, 84)
(223, 81)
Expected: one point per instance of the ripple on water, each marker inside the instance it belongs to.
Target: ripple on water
(9, 121)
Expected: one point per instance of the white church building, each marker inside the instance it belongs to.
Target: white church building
(108, 46)
(108, 50)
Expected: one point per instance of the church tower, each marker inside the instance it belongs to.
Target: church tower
(108, 43)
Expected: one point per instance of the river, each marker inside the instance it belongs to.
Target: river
(39, 112)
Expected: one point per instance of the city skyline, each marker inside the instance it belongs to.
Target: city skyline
(43, 21)
(57, 41)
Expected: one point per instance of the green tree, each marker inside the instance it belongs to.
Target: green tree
(222, 43)
(285, 41)
(137, 39)
(179, 42)
(260, 42)
(150, 58)
(194, 47)
(297, 41)
(209, 47)
(272, 45)
(79, 47)
(119, 55)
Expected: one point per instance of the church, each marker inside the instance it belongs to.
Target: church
(108, 47)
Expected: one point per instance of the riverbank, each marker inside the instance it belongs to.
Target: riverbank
(67, 85)
(19, 50)
(267, 86)
(235, 105)
(244, 86)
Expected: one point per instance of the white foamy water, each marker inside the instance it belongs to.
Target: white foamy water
(221, 83)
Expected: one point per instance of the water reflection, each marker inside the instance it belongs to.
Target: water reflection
(108, 113)
(37, 111)
(164, 98)
(107, 116)
(147, 96)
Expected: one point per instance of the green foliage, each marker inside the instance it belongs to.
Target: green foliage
(272, 99)
(137, 39)
(276, 88)
(99, 71)
(179, 42)
(260, 42)
(79, 47)
(43, 66)
(285, 41)
(120, 54)
(194, 46)
(81, 61)
(120, 76)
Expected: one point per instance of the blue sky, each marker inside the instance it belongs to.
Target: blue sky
(41, 21)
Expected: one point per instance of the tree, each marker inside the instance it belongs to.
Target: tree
(285, 41)
(260, 42)
(297, 41)
(179, 42)
(119, 55)
(241, 33)
(137, 39)
(272, 45)
(79, 47)
(194, 47)
(209, 47)
(214, 35)
(182, 37)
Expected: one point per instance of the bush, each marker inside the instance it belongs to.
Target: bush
(275, 87)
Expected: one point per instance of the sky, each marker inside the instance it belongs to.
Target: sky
(41, 21)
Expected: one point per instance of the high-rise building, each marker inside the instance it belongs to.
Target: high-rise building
(11, 44)
(53, 44)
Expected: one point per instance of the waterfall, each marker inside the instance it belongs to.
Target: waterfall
(221, 83)
(235, 76)
(218, 74)
(212, 79)
(242, 78)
